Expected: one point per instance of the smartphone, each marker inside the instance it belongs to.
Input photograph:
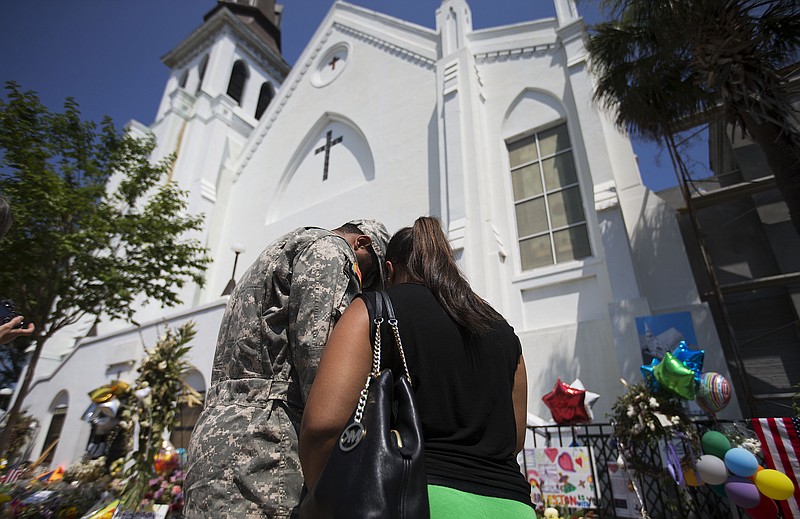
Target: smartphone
(8, 311)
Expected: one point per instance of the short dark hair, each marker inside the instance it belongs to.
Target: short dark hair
(6, 218)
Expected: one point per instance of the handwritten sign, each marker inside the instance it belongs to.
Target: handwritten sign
(561, 476)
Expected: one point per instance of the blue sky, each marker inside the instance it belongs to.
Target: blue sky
(106, 53)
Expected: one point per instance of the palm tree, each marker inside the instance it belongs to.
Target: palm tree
(660, 62)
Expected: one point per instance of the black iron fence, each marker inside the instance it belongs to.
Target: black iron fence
(662, 497)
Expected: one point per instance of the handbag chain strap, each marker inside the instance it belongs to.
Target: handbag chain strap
(376, 362)
(376, 349)
(392, 320)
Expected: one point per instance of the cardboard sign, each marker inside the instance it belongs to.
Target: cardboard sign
(626, 502)
(561, 476)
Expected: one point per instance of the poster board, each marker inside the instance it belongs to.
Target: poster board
(562, 476)
(626, 502)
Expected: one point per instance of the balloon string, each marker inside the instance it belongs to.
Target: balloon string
(673, 463)
(692, 458)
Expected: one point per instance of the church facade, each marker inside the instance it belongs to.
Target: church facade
(494, 131)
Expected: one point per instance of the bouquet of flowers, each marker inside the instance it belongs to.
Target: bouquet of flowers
(166, 490)
(641, 417)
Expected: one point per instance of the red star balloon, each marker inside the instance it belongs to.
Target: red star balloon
(567, 404)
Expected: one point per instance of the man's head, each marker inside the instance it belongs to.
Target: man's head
(368, 239)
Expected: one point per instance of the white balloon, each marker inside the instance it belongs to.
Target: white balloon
(712, 470)
(589, 399)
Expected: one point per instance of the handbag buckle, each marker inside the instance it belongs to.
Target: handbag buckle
(351, 436)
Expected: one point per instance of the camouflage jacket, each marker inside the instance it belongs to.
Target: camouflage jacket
(279, 317)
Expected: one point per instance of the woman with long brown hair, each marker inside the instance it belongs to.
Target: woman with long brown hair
(468, 376)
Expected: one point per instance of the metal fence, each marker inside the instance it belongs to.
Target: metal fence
(662, 497)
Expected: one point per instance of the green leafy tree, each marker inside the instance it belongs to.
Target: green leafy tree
(97, 225)
(659, 63)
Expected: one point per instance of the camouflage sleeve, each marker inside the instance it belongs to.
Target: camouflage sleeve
(323, 284)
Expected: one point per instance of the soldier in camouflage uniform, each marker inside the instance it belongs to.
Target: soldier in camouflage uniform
(243, 454)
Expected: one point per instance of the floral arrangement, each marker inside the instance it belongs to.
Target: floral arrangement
(86, 471)
(55, 500)
(642, 417)
(159, 390)
(740, 436)
(166, 490)
(151, 475)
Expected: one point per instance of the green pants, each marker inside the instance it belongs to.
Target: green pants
(448, 503)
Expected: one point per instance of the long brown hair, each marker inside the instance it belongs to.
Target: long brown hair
(424, 251)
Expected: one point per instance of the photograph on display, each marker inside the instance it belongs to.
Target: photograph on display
(659, 334)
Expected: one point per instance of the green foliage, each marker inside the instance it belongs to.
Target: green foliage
(659, 63)
(161, 372)
(21, 434)
(663, 66)
(97, 225)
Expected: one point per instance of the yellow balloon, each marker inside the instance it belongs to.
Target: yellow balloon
(690, 476)
(774, 484)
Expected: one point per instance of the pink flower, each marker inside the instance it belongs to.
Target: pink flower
(176, 489)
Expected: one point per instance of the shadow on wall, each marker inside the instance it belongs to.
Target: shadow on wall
(659, 256)
(584, 350)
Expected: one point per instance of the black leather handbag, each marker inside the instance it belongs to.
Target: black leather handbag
(377, 468)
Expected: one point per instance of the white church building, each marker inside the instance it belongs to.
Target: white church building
(494, 131)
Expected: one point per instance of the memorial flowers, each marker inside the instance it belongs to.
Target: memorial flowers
(641, 417)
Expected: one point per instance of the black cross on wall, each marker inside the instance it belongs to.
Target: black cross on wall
(329, 143)
(333, 62)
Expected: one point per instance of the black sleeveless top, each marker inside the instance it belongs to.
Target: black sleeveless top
(463, 385)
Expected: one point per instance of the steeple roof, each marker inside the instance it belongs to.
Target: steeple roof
(263, 17)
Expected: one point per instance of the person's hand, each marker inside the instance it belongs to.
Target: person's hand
(8, 333)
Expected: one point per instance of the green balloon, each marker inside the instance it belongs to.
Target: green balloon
(716, 444)
(719, 490)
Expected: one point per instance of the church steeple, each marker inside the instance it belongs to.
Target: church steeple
(453, 22)
(263, 17)
(566, 12)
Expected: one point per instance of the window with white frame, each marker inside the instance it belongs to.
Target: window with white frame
(551, 224)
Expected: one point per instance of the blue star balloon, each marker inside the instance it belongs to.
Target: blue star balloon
(649, 376)
(692, 359)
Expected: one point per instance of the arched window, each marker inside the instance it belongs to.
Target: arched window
(264, 98)
(239, 76)
(551, 225)
(184, 78)
(188, 415)
(58, 409)
(201, 72)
